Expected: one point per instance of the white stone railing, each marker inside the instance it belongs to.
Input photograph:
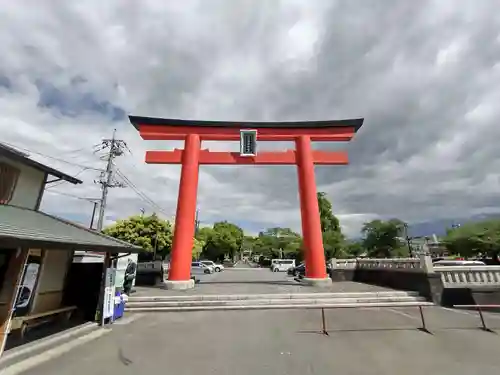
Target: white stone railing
(462, 276)
(343, 263)
(396, 263)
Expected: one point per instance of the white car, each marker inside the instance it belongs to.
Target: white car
(198, 268)
(282, 265)
(217, 267)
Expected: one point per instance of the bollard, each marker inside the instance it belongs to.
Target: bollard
(324, 331)
(424, 326)
(483, 322)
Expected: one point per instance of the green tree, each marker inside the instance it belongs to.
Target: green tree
(354, 249)
(333, 243)
(474, 239)
(204, 233)
(381, 238)
(197, 248)
(333, 239)
(149, 232)
(329, 221)
(225, 239)
(276, 242)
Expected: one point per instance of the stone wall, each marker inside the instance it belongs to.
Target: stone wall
(457, 285)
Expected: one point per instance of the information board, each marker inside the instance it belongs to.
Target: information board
(109, 293)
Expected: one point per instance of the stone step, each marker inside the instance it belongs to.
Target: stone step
(285, 296)
(268, 301)
(279, 307)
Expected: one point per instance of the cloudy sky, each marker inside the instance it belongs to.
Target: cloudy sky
(425, 75)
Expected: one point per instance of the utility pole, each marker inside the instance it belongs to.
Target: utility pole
(116, 147)
(196, 223)
(93, 214)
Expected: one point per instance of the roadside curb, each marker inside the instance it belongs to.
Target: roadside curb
(17, 354)
(50, 354)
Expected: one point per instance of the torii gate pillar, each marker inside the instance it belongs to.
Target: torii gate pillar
(309, 209)
(191, 157)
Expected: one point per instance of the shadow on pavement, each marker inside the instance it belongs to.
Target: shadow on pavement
(250, 282)
(42, 332)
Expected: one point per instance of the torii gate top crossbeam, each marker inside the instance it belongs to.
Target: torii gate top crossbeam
(151, 128)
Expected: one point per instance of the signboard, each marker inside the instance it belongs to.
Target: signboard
(26, 289)
(28, 285)
(248, 142)
(121, 266)
(109, 293)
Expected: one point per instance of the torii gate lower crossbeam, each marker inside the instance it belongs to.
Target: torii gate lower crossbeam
(193, 132)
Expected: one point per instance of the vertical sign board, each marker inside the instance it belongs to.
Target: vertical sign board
(27, 287)
(248, 142)
(109, 293)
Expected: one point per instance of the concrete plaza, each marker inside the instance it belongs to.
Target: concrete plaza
(371, 341)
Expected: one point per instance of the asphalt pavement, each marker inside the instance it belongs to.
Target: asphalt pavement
(371, 341)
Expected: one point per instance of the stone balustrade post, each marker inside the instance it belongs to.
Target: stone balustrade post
(426, 264)
(333, 263)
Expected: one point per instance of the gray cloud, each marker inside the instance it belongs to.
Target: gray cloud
(424, 75)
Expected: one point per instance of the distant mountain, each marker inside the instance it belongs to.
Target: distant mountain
(438, 227)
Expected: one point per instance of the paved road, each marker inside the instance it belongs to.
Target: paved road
(366, 341)
(247, 280)
(374, 342)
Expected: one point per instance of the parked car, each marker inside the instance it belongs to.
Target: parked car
(282, 265)
(217, 267)
(198, 268)
(300, 270)
(294, 271)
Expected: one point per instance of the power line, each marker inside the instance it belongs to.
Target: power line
(140, 193)
(72, 195)
(52, 157)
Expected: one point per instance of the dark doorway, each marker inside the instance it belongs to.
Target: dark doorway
(83, 287)
(5, 255)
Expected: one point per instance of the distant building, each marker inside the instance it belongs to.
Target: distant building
(428, 246)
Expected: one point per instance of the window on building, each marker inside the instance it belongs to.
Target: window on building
(8, 181)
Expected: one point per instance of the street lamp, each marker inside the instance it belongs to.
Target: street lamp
(410, 250)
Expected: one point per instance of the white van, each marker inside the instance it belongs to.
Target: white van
(282, 265)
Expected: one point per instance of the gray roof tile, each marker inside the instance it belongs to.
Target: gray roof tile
(26, 227)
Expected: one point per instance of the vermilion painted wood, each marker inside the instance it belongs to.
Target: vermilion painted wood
(337, 134)
(192, 156)
(288, 157)
(309, 210)
(182, 246)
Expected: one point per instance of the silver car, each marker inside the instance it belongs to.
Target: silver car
(198, 268)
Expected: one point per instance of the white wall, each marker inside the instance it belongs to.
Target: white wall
(51, 281)
(29, 185)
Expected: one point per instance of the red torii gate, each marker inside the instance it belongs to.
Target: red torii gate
(192, 156)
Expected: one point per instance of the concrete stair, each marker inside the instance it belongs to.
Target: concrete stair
(273, 301)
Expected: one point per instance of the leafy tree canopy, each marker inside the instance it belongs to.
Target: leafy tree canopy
(223, 239)
(149, 232)
(333, 239)
(474, 239)
(329, 221)
(381, 238)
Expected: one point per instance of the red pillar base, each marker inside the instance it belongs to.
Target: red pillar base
(322, 283)
(178, 284)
